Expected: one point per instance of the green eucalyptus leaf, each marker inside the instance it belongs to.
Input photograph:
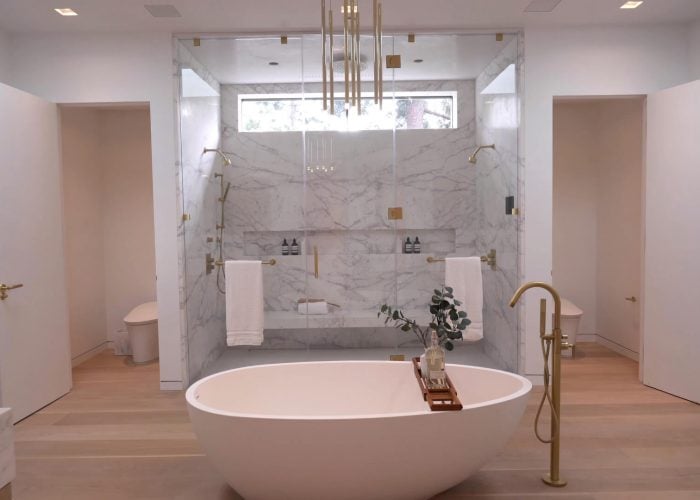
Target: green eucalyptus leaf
(449, 346)
(462, 314)
(449, 289)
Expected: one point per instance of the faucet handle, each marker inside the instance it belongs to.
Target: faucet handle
(566, 345)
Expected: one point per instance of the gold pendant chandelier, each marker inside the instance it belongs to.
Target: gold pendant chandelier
(352, 60)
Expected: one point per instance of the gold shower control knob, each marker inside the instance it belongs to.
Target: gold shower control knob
(631, 299)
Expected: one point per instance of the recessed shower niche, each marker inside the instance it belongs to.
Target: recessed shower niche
(326, 180)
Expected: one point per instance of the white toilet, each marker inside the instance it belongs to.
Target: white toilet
(142, 325)
(570, 319)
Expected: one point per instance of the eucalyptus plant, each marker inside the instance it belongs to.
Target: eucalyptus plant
(449, 320)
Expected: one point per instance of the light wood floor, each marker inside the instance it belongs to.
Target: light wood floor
(116, 436)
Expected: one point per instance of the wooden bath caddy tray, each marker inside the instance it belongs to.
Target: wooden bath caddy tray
(437, 399)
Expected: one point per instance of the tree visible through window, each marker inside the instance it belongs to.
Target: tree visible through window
(408, 110)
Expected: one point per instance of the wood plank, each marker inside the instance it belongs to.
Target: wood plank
(117, 436)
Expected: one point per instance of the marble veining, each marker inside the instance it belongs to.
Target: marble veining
(7, 447)
(497, 177)
(454, 207)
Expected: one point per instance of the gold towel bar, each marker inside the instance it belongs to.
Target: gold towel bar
(489, 258)
(270, 262)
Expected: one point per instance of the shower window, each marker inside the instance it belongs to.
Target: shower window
(294, 112)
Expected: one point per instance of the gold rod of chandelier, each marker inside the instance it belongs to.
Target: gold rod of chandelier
(331, 108)
(376, 50)
(379, 60)
(345, 50)
(359, 61)
(323, 52)
(352, 53)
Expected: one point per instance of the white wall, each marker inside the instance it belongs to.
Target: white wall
(130, 273)
(83, 217)
(129, 67)
(579, 61)
(598, 165)
(694, 50)
(575, 210)
(4, 56)
(108, 199)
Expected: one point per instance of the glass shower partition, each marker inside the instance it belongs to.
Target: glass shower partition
(349, 180)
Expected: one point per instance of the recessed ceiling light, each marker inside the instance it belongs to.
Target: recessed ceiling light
(66, 12)
(631, 4)
(418, 60)
(273, 63)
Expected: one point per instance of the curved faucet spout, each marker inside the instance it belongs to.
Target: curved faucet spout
(546, 286)
(554, 342)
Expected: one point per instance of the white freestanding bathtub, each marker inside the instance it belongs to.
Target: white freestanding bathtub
(350, 429)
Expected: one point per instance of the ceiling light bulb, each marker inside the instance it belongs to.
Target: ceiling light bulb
(632, 4)
(66, 11)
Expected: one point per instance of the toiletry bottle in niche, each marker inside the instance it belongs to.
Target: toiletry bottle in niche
(295, 247)
(285, 247)
(416, 245)
(435, 357)
(408, 247)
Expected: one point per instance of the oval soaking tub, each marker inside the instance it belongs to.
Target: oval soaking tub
(350, 429)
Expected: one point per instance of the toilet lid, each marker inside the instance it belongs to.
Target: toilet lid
(143, 314)
(569, 309)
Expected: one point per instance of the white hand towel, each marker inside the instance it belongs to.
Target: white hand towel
(244, 302)
(463, 274)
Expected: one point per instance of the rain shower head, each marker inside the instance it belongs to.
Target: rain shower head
(472, 157)
(227, 160)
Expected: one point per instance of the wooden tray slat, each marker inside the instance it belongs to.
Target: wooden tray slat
(437, 399)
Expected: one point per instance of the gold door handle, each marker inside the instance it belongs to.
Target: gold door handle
(631, 299)
(5, 288)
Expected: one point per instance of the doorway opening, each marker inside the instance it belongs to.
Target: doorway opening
(109, 229)
(598, 217)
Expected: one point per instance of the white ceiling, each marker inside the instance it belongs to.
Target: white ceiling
(239, 16)
(444, 57)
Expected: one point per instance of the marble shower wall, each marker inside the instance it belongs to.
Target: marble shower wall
(201, 303)
(497, 177)
(344, 213)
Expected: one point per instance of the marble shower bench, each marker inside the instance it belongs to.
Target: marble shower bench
(336, 318)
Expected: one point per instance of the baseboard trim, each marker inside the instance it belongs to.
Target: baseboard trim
(535, 379)
(615, 347)
(171, 385)
(586, 337)
(81, 358)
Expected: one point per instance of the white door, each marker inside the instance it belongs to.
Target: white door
(35, 364)
(672, 243)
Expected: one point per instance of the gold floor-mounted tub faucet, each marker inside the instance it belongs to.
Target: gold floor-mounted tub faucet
(554, 340)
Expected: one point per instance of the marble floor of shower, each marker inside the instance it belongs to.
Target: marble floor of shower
(238, 357)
